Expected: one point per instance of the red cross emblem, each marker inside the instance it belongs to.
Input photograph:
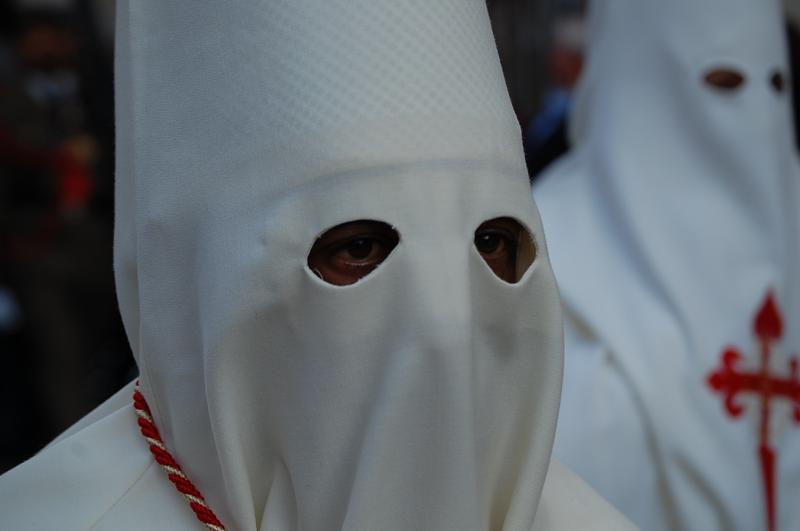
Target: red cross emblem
(730, 382)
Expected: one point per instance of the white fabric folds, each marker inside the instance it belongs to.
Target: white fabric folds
(670, 224)
(423, 397)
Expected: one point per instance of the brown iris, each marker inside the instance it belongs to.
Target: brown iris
(506, 247)
(346, 253)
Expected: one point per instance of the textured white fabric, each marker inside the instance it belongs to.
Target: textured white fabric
(291, 402)
(423, 397)
(567, 502)
(103, 478)
(669, 222)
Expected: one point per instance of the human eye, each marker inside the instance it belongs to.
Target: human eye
(350, 251)
(362, 251)
(501, 244)
(494, 242)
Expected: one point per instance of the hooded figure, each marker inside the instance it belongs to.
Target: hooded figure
(674, 236)
(424, 395)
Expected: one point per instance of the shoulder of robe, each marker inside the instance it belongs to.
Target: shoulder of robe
(117, 401)
(99, 477)
(568, 504)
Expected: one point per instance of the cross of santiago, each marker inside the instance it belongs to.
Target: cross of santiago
(730, 382)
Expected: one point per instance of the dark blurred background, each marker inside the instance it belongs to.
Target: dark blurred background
(61, 340)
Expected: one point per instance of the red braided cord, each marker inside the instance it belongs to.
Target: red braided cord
(170, 466)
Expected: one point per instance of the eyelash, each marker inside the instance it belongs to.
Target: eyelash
(506, 236)
(341, 247)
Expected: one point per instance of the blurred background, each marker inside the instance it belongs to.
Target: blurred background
(61, 340)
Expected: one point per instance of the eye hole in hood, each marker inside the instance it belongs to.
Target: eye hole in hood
(506, 247)
(350, 251)
(777, 80)
(724, 79)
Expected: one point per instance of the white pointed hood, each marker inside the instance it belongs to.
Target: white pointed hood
(670, 222)
(422, 397)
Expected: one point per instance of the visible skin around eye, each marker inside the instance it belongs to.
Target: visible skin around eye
(348, 252)
(497, 241)
(724, 79)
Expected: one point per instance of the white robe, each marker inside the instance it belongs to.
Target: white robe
(670, 224)
(100, 475)
(423, 396)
